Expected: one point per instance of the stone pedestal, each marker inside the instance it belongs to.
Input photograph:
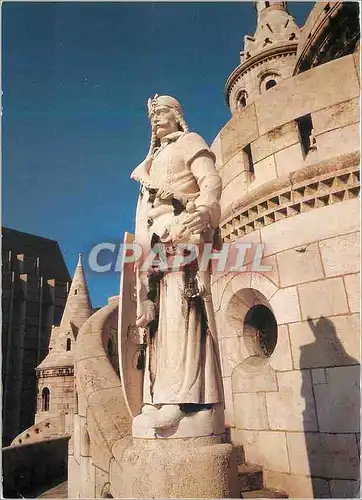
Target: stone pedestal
(201, 467)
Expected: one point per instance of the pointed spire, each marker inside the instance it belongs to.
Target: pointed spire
(275, 26)
(78, 307)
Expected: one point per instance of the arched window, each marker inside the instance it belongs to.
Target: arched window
(69, 344)
(269, 84)
(241, 100)
(45, 399)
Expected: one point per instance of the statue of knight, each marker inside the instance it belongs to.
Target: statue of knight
(178, 203)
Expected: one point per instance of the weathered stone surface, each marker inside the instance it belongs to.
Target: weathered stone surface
(339, 141)
(237, 185)
(176, 469)
(307, 93)
(337, 116)
(338, 401)
(263, 284)
(341, 255)
(232, 168)
(311, 226)
(264, 171)
(285, 305)
(254, 374)
(324, 455)
(74, 477)
(250, 411)
(352, 283)
(229, 402)
(325, 342)
(102, 479)
(299, 265)
(216, 149)
(297, 486)
(292, 407)
(233, 352)
(281, 359)
(289, 159)
(276, 140)
(274, 456)
(323, 298)
(240, 131)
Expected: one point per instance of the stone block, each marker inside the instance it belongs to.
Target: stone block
(233, 352)
(232, 168)
(264, 171)
(250, 411)
(325, 455)
(216, 149)
(276, 140)
(292, 408)
(229, 402)
(297, 486)
(74, 478)
(299, 265)
(241, 130)
(281, 359)
(285, 305)
(341, 255)
(289, 159)
(337, 142)
(326, 342)
(237, 185)
(323, 298)
(352, 283)
(344, 488)
(263, 284)
(338, 401)
(310, 227)
(273, 274)
(265, 448)
(335, 117)
(253, 375)
(307, 93)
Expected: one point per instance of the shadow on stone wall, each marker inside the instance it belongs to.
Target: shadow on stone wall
(31, 469)
(331, 419)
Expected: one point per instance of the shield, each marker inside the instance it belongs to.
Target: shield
(131, 352)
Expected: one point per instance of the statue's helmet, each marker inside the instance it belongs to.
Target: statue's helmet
(163, 100)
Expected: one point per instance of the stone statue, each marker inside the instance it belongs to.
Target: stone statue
(178, 203)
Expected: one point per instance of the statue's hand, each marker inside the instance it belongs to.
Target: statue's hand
(197, 221)
(145, 313)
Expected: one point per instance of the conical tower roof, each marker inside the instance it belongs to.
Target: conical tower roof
(78, 307)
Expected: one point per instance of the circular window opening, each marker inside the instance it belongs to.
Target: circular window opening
(260, 331)
(269, 84)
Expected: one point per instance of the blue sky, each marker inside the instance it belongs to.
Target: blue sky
(75, 81)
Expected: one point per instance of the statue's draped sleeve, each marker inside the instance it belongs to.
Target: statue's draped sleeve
(201, 161)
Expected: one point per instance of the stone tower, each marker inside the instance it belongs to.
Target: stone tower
(268, 56)
(56, 373)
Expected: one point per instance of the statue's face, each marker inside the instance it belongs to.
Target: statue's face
(164, 121)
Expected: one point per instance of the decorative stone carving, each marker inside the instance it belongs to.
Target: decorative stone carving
(299, 198)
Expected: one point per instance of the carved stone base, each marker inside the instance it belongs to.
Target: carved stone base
(198, 424)
(175, 468)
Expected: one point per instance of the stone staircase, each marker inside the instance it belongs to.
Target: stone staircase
(251, 482)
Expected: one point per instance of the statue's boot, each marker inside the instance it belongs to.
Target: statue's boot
(167, 416)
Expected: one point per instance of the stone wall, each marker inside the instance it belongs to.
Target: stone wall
(295, 411)
(329, 93)
(102, 424)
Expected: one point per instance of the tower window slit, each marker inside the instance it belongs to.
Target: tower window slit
(248, 161)
(306, 136)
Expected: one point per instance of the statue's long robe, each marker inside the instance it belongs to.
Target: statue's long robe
(182, 364)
